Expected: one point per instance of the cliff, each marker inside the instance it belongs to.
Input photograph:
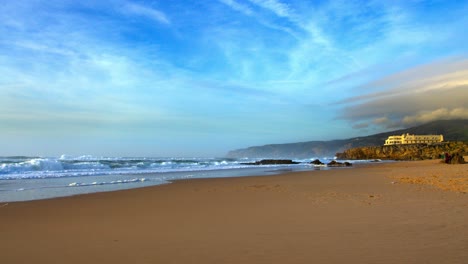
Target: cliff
(453, 130)
(405, 152)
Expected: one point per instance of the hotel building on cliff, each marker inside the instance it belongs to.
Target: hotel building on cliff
(413, 139)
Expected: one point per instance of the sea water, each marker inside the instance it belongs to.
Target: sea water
(33, 178)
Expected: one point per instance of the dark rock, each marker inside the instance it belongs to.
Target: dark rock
(271, 162)
(317, 162)
(335, 163)
(457, 159)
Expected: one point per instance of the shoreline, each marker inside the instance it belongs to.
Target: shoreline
(50, 188)
(358, 215)
(255, 172)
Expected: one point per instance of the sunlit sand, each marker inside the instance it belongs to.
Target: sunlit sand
(365, 214)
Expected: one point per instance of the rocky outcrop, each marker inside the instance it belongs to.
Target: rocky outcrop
(335, 163)
(317, 162)
(455, 158)
(272, 162)
(405, 152)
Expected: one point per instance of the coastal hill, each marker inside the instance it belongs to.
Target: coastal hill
(456, 149)
(453, 130)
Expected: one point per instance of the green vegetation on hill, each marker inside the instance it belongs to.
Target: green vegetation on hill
(453, 130)
(406, 152)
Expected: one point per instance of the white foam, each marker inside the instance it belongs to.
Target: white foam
(32, 165)
(68, 166)
(81, 184)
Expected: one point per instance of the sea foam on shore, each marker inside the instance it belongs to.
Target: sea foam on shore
(31, 178)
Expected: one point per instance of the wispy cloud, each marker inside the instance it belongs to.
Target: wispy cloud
(246, 10)
(277, 7)
(151, 13)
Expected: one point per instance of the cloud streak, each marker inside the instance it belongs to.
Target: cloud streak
(246, 10)
(277, 7)
(438, 90)
(151, 13)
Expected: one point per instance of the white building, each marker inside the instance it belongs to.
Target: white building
(413, 139)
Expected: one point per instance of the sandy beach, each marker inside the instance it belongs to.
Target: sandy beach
(403, 212)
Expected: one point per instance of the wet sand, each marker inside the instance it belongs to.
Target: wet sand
(366, 214)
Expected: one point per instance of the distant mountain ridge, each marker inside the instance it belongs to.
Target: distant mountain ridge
(453, 130)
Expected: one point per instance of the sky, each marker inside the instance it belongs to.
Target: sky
(199, 78)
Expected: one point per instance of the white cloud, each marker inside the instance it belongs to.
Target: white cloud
(438, 90)
(238, 7)
(440, 75)
(262, 20)
(277, 7)
(437, 114)
(151, 13)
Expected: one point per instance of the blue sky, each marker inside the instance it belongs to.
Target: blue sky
(200, 78)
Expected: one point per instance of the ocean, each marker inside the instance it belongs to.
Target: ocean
(33, 178)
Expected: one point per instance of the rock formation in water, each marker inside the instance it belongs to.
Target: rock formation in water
(335, 163)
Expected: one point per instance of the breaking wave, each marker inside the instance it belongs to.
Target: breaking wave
(68, 166)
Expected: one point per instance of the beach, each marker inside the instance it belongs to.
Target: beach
(401, 212)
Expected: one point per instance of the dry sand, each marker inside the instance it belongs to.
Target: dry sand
(367, 214)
